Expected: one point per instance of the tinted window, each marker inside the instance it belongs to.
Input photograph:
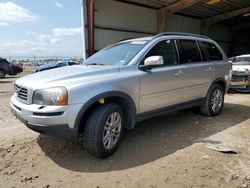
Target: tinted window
(245, 59)
(203, 53)
(189, 51)
(213, 51)
(167, 50)
(72, 63)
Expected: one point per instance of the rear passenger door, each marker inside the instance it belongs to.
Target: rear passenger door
(220, 65)
(197, 71)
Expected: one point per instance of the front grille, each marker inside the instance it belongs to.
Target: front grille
(21, 92)
(240, 78)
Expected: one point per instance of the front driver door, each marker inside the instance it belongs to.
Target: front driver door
(162, 86)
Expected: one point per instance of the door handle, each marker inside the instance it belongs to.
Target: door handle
(209, 69)
(178, 73)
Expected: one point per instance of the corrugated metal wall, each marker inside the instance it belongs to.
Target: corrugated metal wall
(117, 15)
(183, 24)
(112, 15)
(241, 43)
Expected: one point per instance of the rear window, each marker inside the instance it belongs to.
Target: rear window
(189, 51)
(241, 59)
(213, 51)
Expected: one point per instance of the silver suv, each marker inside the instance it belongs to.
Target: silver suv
(121, 85)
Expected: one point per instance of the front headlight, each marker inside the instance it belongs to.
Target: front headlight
(51, 96)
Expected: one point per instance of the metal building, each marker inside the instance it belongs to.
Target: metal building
(226, 21)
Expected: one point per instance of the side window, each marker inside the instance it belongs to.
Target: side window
(213, 51)
(189, 51)
(167, 50)
(72, 63)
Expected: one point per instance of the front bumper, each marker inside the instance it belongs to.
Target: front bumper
(55, 121)
(240, 80)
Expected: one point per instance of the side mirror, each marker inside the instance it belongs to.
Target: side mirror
(152, 61)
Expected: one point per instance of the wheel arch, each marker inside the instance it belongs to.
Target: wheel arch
(121, 98)
(221, 82)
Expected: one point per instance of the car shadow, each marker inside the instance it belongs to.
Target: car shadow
(150, 140)
(238, 91)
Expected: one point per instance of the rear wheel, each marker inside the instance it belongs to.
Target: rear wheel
(103, 130)
(2, 74)
(214, 101)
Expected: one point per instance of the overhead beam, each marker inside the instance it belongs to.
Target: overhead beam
(178, 6)
(225, 16)
(232, 3)
(171, 9)
(221, 17)
(211, 7)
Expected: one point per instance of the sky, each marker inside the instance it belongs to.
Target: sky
(42, 28)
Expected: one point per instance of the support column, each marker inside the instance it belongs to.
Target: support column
(90, 25)
(161, 21)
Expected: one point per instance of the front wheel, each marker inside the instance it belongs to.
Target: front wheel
(214, 101)
(103, 130)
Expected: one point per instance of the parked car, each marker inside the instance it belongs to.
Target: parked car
(121, 85)
(54, 65)
(240, 72)
(8, 68)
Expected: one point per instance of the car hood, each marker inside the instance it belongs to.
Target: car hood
(67, 76)
(47, 66)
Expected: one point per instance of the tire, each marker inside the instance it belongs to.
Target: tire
(214, 101)
(97, 129)
(2, 73)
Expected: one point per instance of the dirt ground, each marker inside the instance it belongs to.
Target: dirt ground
(169, 151)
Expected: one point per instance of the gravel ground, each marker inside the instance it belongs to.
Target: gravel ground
(168, 151)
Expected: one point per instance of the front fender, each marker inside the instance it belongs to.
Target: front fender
(131, 111)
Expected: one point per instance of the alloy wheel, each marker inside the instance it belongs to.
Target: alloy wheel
(216, 100)
(112, 130)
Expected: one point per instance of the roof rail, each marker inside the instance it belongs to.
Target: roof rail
(179, 33)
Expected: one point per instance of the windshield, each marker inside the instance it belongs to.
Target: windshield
(117, 54)
(242, 60)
